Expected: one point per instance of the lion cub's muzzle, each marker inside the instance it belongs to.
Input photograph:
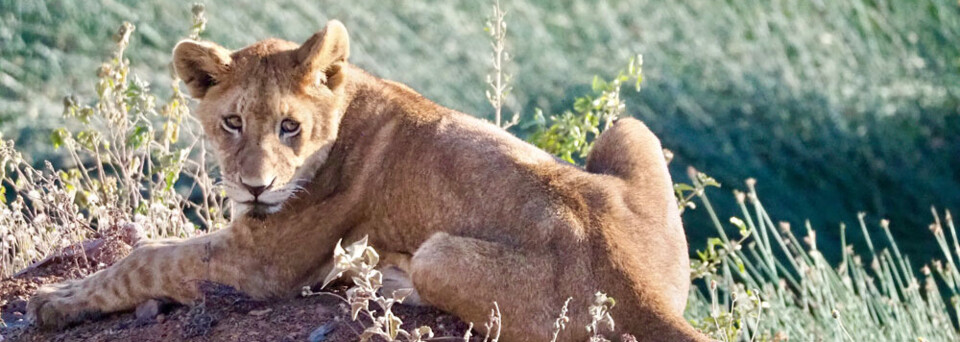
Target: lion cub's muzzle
(259, 197)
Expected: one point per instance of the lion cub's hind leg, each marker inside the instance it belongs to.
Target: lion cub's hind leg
(465, 276)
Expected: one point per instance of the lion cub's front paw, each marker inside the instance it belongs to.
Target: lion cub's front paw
(395, 279)
(58, 305)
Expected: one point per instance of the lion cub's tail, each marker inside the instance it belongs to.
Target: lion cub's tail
(629, 150)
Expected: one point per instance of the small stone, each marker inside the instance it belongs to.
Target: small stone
(161, 318)
(148, 310)
(131, 233)
(258, 313)
(320, 333)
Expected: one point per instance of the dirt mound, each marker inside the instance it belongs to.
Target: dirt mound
(223, 315)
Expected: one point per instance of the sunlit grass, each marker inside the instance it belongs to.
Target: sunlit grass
(767, 284)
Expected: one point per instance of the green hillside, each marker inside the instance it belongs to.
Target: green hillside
(834, 107)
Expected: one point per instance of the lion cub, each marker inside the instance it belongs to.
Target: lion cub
(314, 149)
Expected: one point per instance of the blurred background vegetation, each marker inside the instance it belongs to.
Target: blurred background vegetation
(835, 107)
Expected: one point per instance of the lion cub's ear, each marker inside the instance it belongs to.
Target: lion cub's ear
(200, 64)
(322, 56)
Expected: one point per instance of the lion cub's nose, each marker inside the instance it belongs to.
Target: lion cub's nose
(256, 188)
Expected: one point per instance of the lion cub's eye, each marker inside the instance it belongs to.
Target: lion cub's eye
(289, 128)
(232, 123)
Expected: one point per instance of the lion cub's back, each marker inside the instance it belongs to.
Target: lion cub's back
(458, 170)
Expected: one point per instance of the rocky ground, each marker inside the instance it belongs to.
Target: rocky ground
(223, 315)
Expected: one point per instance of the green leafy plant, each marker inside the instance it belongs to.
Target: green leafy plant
(570, 135)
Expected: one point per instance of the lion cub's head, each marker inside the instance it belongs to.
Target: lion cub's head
(272, 110)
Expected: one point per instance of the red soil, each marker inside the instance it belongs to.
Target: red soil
(223, 315)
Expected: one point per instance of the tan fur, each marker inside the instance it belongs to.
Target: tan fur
(471, 213)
